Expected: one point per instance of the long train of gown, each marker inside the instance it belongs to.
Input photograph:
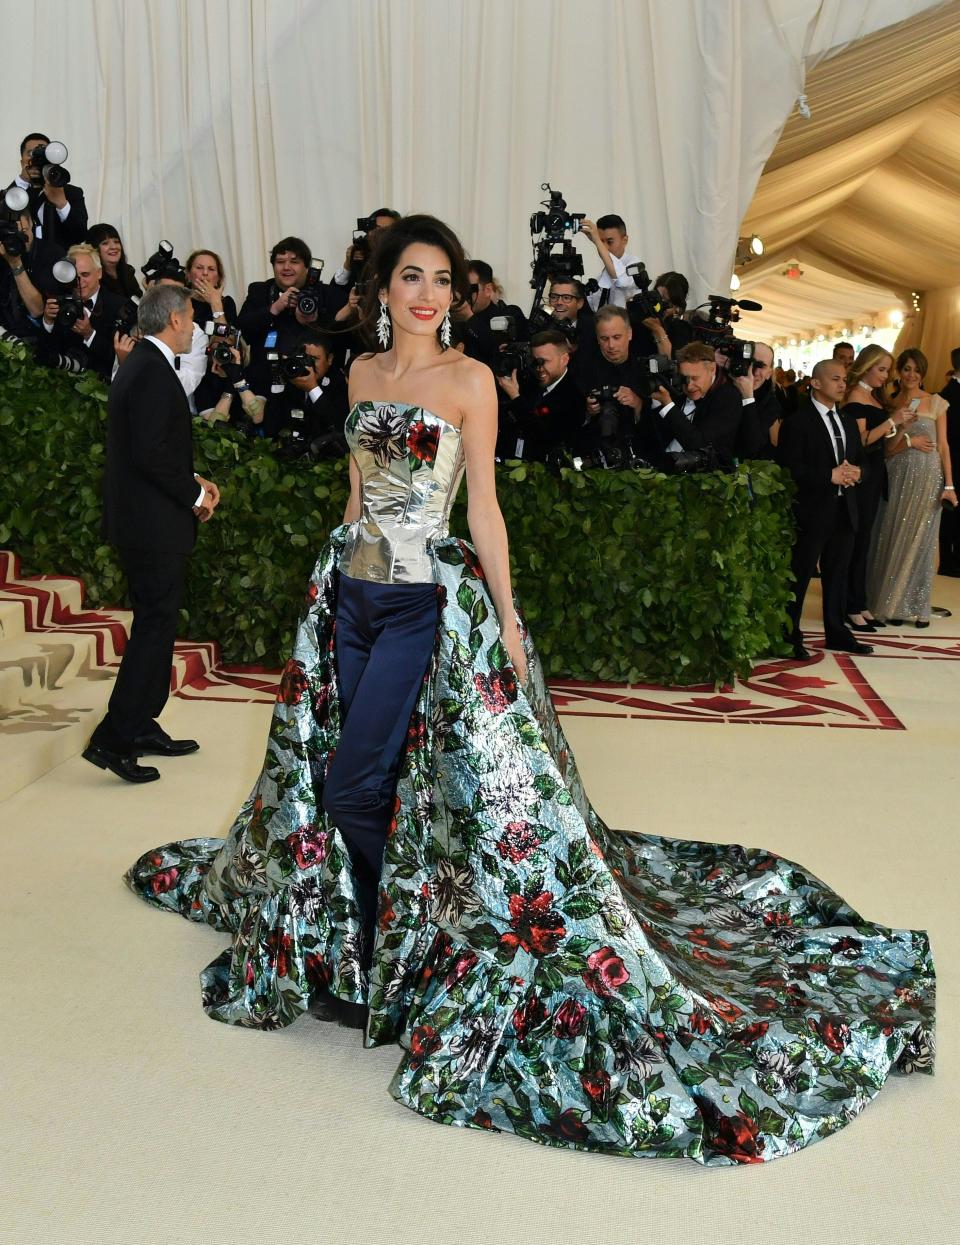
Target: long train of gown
(545, 975)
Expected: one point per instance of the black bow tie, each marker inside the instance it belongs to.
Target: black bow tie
(88, 303)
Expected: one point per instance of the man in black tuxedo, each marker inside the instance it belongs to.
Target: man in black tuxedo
(152, 500)
(550, 416)
(950, 518)
(717, 406)
(59, 212)
(87, 345)
(821, 449)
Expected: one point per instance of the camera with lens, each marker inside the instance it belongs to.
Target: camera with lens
(308, 299)
(511, 355)
(126, 320)
(69, 301)
(645, 303)
(163, 264)
(223, 339)
(360, 250)
(656, 371)
(15, 203)
(46, 163)
(738, 353)
(287, 367)
(556, 221)
(540, 321)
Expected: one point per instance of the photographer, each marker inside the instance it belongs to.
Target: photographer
(271, 315)
(481, 341)
(673, 289)
(570, 315)
(714, 420)
(26, 271)
(309, 414)
(347, 278)
(211, 307)
(609, 236)
(59, 211)
(237, 404)
(552, 415)
(617, 419)
(81, 342)
(761, 412)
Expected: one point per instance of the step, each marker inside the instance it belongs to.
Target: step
(12, 618)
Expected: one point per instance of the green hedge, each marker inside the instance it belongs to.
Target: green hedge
(623, 576)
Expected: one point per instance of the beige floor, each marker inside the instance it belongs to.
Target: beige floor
(130, 1117)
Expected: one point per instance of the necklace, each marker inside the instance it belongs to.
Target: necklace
(864, 385)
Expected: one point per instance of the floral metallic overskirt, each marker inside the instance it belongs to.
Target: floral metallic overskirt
(544, 974)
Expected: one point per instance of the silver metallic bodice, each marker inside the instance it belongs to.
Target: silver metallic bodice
(411, 464)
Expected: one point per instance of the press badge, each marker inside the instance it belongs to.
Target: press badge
(270, 340)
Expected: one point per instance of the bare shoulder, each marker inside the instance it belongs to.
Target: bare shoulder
(473, 380)
(361, 369)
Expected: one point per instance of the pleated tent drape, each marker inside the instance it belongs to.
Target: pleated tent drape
(229, 124)
(866, 193)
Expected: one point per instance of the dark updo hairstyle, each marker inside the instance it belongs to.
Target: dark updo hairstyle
(391, 243)
(915, 356)
(100, 233)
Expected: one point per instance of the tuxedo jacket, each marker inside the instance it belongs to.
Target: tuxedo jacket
(99, 355)
(64, 233)
(951, 395)
(715, 421)
(806, 449)
(545, 421)
(149, 489)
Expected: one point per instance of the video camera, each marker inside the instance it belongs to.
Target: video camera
(16, 201)
(46, 164)
(711, 324)
(163, 264)
(548, 231)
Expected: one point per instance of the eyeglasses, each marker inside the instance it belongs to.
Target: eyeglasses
(561, 298)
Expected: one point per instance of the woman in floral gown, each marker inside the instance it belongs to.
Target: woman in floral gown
(544, 975)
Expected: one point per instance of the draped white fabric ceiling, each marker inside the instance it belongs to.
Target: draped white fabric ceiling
(230, 124)
(865, 194)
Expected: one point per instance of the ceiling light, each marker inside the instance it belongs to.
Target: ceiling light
(734, 282)
(896, 319)
(756, 244)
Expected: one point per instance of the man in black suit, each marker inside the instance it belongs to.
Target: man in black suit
(550, 416)
(270, 318)
(950, 518)
(717, 406)
(821, 449)
(59, 212)
(87, 344)
(152, 500)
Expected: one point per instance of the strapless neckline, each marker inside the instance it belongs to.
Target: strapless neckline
(410, 406)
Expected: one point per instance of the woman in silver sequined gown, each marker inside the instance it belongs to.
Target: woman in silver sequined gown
(903, 557)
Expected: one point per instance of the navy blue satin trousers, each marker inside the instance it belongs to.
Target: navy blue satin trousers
(384, 639)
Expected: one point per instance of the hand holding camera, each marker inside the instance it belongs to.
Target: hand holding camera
(123, 344)
(510, 385)
(285, 301)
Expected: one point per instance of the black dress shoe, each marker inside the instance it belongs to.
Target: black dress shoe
(894, 622)
(919, 623)
(160, 744)
(876, 623)
(802, 654)
(850, 646)
(864, 626)
(124, 767)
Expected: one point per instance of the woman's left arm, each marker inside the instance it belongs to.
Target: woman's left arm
(943, 449)
(487, 528)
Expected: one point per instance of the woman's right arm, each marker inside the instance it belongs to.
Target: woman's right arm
(354, 387)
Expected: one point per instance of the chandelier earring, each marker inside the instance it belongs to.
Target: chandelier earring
(445, 331)
(383, 326)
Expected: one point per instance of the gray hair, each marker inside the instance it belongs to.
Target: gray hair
(610, 311)
(158, 305)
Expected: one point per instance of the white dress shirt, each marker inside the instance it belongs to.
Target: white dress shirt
(621, 287)
(170, 358)
(822, 410)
